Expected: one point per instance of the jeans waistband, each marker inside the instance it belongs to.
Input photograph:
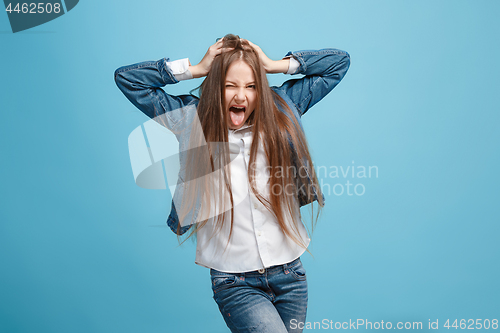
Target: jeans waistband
(270, 270)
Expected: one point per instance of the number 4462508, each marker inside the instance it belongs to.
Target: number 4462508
(471, 324)
(32, 8)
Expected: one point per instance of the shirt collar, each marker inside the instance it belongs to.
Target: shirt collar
(244, 127)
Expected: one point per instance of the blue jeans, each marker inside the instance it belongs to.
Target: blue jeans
(273, 300)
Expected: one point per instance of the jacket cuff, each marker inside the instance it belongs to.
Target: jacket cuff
(180, 69)
(293, 66)
(297, 65)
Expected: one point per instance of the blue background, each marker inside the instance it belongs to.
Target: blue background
(84, 249)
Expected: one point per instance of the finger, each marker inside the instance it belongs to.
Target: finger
(217, 44)
(216, 49)
(251, 44)
(255, 47)
(223, 49)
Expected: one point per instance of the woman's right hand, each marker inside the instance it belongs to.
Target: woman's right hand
(205, 64)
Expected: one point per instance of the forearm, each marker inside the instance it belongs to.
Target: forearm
(144, 75)
(141, 83)
(324, 62)
(196, 71)
(323, 70)
(278, 66)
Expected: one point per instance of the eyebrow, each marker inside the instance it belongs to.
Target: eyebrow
(252, 82)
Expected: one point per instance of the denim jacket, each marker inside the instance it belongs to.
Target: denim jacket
(141, 83)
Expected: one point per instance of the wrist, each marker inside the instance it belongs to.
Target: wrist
(197, 71)
(279, 66)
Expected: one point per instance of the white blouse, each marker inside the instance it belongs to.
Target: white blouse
(257, 240)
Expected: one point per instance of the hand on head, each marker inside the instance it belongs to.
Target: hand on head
(205, 64)
(229, 43)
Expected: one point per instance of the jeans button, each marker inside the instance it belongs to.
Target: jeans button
(261, 271)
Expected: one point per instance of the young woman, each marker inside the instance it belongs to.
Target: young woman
(240, 194)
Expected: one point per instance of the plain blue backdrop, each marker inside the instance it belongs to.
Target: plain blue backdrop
(84, 249)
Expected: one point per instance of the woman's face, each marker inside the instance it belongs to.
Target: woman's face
(240, 93)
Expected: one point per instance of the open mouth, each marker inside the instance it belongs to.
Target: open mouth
(237, 114)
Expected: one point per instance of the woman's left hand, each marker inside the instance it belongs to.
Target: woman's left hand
(271, 66)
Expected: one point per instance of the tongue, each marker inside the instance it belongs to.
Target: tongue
(237, 117)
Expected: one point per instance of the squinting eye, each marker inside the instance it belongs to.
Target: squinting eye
(251, 86)
(229, 85)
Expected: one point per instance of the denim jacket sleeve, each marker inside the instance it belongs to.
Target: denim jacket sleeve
(141, 83)
(323, 70)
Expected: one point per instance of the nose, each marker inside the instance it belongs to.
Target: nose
(239, 96)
